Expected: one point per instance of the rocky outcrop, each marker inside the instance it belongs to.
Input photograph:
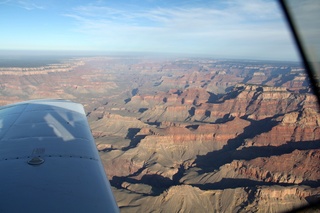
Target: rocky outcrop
(116, 125)
(296, 167)
(192, 199)
(254, 102)
(279, 199)
(190, 96)
(294, 127)
(167, 113)
(43, 70)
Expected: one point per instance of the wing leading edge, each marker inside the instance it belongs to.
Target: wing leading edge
(48, 160)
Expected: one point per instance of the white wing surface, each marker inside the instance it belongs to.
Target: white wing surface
(49, 161)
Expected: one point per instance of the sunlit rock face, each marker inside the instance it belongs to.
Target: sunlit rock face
(191, 135)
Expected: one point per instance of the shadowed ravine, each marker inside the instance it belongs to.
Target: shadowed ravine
(213, 160)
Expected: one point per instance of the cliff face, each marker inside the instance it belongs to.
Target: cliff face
(254, 102)
(297, 167)
(294, 127)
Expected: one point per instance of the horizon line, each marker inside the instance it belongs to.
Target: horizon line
(90, 53)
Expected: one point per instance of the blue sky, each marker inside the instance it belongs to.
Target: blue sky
(246, 29)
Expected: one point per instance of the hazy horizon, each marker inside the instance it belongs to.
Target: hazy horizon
(36, 58)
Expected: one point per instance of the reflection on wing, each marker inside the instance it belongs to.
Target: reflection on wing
(48, 160)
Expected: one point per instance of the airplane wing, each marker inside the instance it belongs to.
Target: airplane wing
(49, 161)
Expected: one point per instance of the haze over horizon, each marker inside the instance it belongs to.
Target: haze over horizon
(225, 29)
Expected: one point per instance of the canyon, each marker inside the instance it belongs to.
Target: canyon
(191, 134)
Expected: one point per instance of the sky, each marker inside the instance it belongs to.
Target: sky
(239, 29)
